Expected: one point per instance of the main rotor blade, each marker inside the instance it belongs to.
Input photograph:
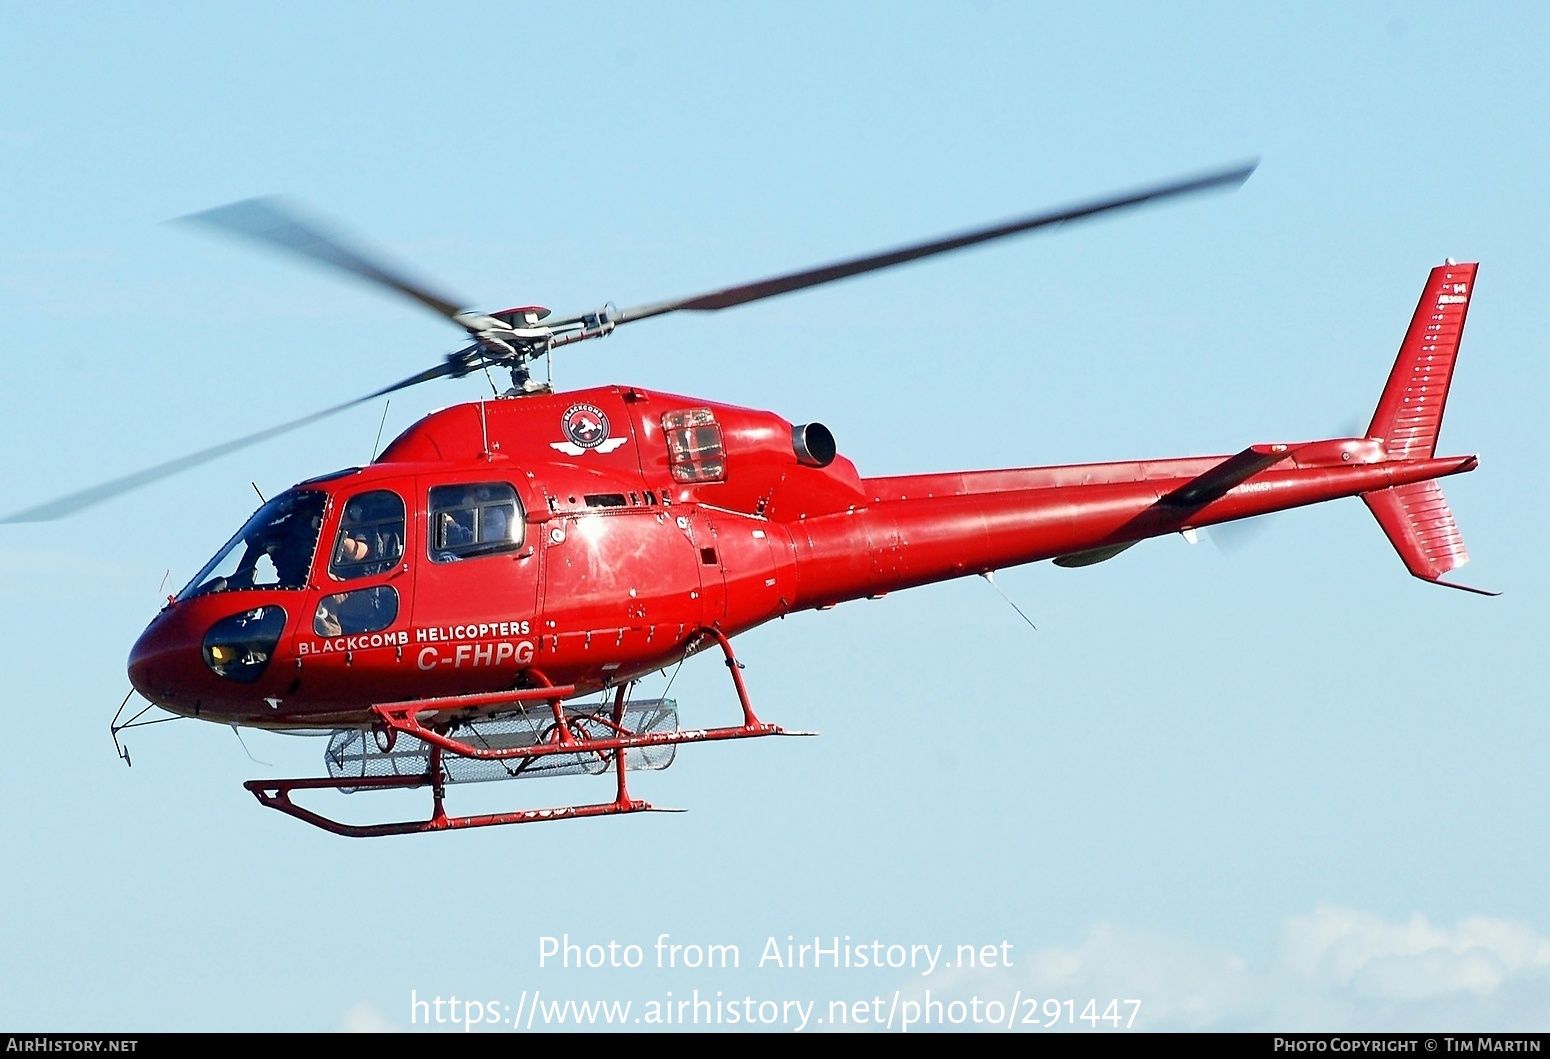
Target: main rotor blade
(73, 502)
(812, 277)
(272, 221)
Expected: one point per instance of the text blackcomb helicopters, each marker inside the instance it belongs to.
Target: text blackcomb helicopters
(443, 611)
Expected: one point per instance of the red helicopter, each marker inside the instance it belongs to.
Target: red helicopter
(479, 602)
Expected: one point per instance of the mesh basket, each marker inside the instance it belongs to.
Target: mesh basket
(353, 754)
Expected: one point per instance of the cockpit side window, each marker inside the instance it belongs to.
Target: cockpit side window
(272, 550)
(371, 535)
(472, 520)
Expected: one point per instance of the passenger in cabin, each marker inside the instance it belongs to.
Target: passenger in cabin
(326, 621)
(454, 530)
(371, 536)
(347, 613)
(496, 525)
(472, 520)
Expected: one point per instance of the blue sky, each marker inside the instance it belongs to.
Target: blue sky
(1279, 785)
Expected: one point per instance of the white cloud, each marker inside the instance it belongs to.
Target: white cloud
(1338, 969)
(365, 1018)
(1177, 983)
(1414, 960)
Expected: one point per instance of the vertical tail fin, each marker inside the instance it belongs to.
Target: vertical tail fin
(1409, 413)
(1415, 517)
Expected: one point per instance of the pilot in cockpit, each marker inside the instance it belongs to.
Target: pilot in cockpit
(452, 531)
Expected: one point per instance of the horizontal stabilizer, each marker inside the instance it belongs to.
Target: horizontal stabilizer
(1417, 521)
(1233, 471)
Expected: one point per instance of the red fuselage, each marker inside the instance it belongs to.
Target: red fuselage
(641, 518)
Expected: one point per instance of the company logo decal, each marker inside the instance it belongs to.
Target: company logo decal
(586, 427)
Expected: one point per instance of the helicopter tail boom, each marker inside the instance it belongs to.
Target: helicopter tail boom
(920, 538)
(926, 528)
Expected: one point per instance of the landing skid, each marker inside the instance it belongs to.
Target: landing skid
(607, 738)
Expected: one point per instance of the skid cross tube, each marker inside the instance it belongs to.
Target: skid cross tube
(569, 738)
(566, 737)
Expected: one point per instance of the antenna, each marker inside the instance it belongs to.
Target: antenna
(386, 405)
(484, 429)
(238, 733)
(990, 579)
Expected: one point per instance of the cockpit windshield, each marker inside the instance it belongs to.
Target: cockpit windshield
(274, 549)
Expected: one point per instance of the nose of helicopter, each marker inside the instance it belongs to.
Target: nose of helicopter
(160, 660)
(197, 657)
